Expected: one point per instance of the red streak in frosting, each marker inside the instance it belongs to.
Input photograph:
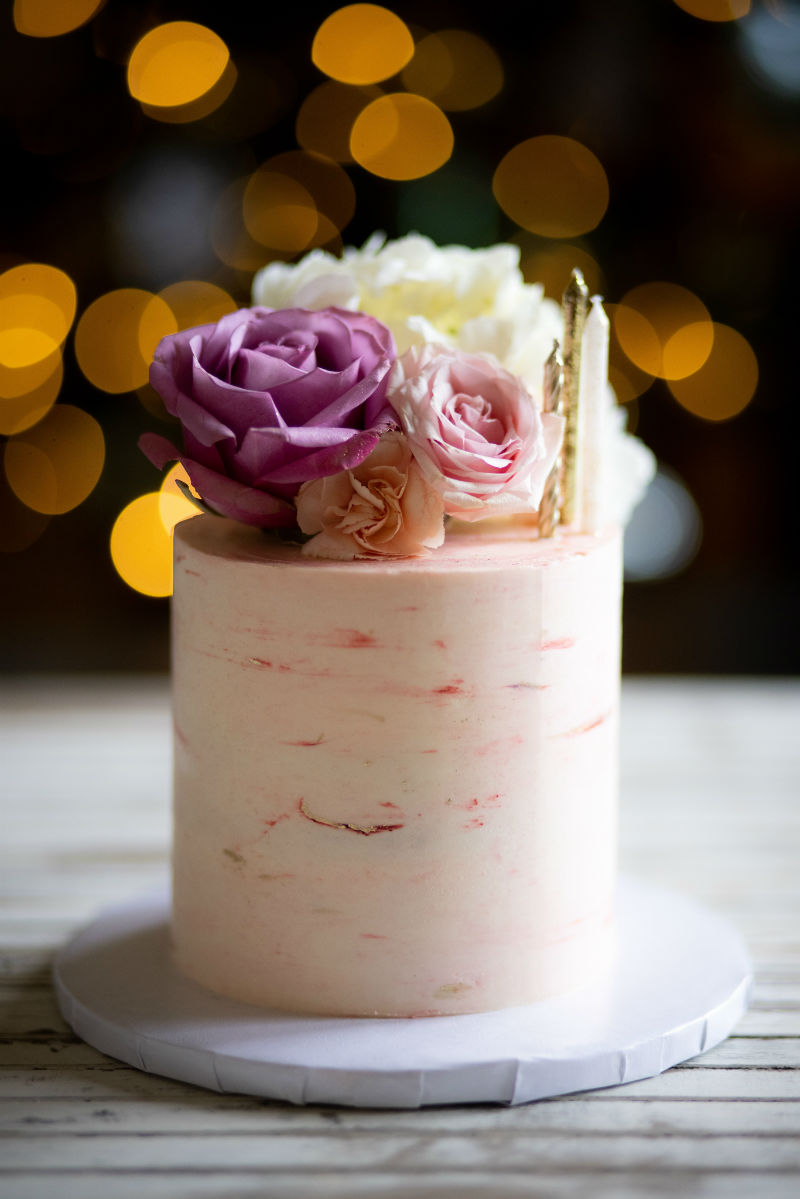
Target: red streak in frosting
(364, 830)
(277, 820)
(387, 803)
(585, 728)
(453, 688)
(439, 644)
(346, 639)
(374, 936)
(558, 643)
(306, 744)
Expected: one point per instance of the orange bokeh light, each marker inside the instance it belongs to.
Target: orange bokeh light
(401, 136)
(553, 186)
(362, 43)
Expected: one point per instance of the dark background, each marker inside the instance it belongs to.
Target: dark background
(701, 155)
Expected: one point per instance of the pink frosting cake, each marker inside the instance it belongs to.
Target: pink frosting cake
(395, 779)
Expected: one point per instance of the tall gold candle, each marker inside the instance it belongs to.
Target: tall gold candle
(549, 514)
(575, 305)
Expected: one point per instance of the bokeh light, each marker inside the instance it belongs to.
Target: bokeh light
(20, 526)
(51, 18)
(664, 329)
(279, 212)
(769, 41)
(20, 412)
(141, 541)
(725, 383)
(230, 240)
(37, 308)
(176, 64)
(117, 335)
(327, 115)
(627, 380)
(715, 10)
(297, 200)
(170, 491)
(665, 532)
(362, 43)
(401, 136)
(553, 186)
(55, 465)
(196, 302)
(552, 264)
(457, 69)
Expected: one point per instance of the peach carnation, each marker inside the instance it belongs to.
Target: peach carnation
(382, 508)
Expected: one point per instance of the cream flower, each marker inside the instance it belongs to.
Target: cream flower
(382, 508)
(474, 300)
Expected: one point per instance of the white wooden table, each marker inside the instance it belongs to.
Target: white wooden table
(711, 784)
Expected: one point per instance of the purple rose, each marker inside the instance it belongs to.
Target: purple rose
(269, 399)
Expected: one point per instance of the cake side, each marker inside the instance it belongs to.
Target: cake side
(395, 780)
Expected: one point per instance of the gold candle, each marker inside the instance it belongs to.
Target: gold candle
(553, 380)
(575, 305)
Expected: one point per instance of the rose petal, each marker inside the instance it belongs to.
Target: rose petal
(224, 495)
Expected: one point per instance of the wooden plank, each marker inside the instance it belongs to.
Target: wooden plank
(501, 1152)
(195, 1114)
(573, 1184)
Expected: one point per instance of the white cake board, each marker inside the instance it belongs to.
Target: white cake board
(679, 983)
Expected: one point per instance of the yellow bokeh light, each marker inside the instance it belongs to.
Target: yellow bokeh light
(401, 136)
(457, 69)
(116, 337)
(715, 10)
(141, 542)
(297, 200)
(175, 64)
(552, 266)
(279, 212)
(362, 43)
(20, 412)
(51, 18)
(326, 117)
(195, 302)
(171, 512)
(37, 308)
(726, 382)
(195, 110)
(55, 465)
(628, 381)
(553, 186)
(664, 329)
(16, 382)
(229, 238)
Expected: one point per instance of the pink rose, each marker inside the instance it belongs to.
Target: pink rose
(382, 508)
(474, 430)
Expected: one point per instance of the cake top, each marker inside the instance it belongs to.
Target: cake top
(366, 402)
(467, 548)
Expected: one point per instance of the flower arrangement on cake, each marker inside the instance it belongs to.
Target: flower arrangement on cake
(366, 400)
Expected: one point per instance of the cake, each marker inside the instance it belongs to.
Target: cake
(395, 647)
